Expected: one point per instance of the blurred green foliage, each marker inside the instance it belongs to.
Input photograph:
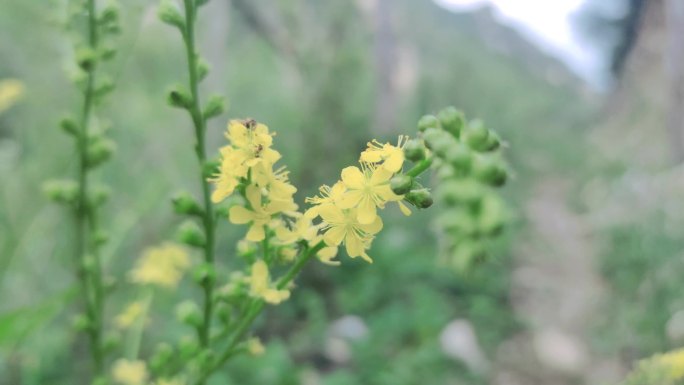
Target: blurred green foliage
(319, 94)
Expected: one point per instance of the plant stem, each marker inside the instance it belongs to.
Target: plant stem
(420, 167)
(255, 308)
(208, 219)
(86, 225)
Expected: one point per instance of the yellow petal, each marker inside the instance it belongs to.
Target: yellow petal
(373, 227)
(334, 235)
(352, 177)
(256, 233)
(394, 162)
(366, 212)
(239, 215)
(253, 194)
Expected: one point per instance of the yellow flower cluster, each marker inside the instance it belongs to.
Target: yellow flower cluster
(130, 315)
(661, 369)
(347, 211)
(161, 266)
(128, 372)
(11, 90)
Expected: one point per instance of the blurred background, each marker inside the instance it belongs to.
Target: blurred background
(588, 93)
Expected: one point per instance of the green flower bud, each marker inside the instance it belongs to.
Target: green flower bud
(246, 248)
(187, 347)
(428, 121)
(224, 313)
(204, 274)
(202, 68)
(107, 52)
(99, 151)
(210, 168)
(493, 214)
(460, 221)
(191, 234)
(81, 323)
(70, 126)
(188, 313)
(460, 157)
(401, 184)
(179, 97)
(61, 191)
(493, 141)
(477, 135)
(104, 86)
(185, 204)
(111, 342)
(490, 171)
(109, 15)
(420, 198)
(206, 359)
(414, 150)
(434, 136)
(466, 254)
(170, 14)
(452, 120)
(161, 357)
(99, 195)
(100, 238)
(88, 263)
(216, 104)
(460, 191)
(86, 58)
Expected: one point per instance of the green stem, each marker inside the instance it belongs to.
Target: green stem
(135, 337)
(208, 219)
(89, 278)
(255, 308)
(420, 167)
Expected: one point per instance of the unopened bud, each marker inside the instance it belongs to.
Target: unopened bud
(99, 195)
(492, 217)
(460, 221)
(179, 97)
(69, 126)
(110, 14)
(401, 184)
(420, 198)
(215, 107)
(161, 356)
(191, 234)
(459, 157)
(170, 14)
(81, 322)
(452, 120)
(224, 314)
(433, 136)
(111, 342)
(466, 254)
(61, 191)
(204, 274)
(493, 141)
(99, 151)
(428, 121)
(185, 204)
(202, 69)
(477, 135)
(490, 171)
(414, 150)
(460, 191)
(86, 58)
(188, 313)
(100, 238)
(187, 347)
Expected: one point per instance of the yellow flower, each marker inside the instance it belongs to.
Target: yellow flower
(326, 254)
(130, 315)
(343, 226)
(163, 266)
(126, 372)
(275, 182)
(260, 285)
(328, 196)
(255, 347)
(11, 90)
(230, 172)
(391, 156)
(253, 140)
(259, 215)
(367, 190)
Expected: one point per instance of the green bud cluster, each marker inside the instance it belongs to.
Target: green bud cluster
(469, 167)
